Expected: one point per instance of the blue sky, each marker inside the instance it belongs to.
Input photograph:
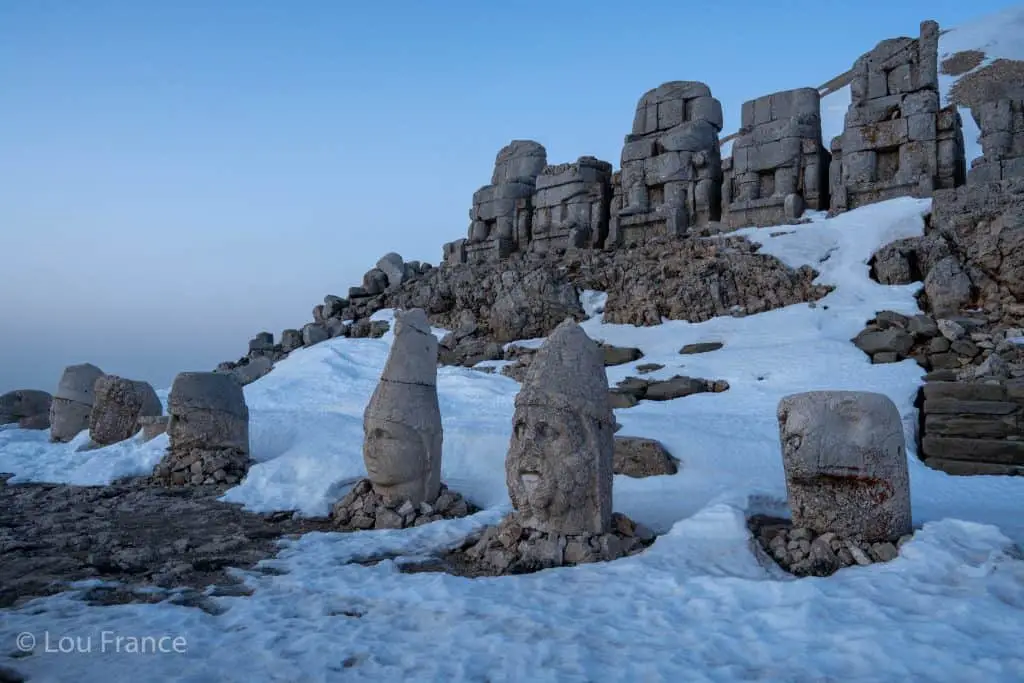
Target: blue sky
(177, 176)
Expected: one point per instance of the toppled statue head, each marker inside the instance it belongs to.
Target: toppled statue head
(402, 422)
(559, 463)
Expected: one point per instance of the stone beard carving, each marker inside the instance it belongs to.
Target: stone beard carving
(402, 422)
(559, 464)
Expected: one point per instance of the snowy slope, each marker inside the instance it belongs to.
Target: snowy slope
(696, 606)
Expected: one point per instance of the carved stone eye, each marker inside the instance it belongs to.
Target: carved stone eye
(520, 429)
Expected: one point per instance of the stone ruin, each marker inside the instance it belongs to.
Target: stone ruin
(73, 401)
(28, 408)
(896, 140)
(845, 461)
(571, 206)
(1001, 124)
(502, 213)
(118, 407)
(208, 429)
(530, 205)
(671, 174)
(779, 166)
(402, 440)
(558, 469)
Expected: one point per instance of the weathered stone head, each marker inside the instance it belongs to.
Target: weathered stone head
(73, 401)
(402, 422)
(846, 464)
(559, 463)
(27, 407)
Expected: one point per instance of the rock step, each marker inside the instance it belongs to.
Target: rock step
(965, 468)
(993, 451)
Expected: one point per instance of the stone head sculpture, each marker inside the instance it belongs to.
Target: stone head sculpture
(844, 455)
(559, 463)
(402, 422)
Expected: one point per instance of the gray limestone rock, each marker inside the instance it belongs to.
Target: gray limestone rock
(314, 333)
(560, 458)
(1001, 123)
(253, 370)
(30, 408)
(947, 287)
(291, 340)
(620, 355)
(551, 301)
(402, 422)
(118, 405)
(846, 465)
(207, 410)
(262, 343)
(892, 340)
(700, 347)
(638, 457)
(73, 401)
(393, 266)
(375, 281)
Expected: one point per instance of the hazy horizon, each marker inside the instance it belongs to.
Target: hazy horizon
(175, 179)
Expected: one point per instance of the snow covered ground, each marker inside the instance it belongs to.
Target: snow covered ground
(696, 606)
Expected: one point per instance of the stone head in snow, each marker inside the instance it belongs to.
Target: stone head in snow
(846, 464)
(402, 422)
(559, 463)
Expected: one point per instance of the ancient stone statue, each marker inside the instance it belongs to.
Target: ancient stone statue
(402, 422)
(118, 405)
(846, 464)
(208, 431)
(72, 402)
(559, 463)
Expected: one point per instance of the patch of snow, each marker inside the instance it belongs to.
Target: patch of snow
(593, 303)
(30, 456)
(696, 606)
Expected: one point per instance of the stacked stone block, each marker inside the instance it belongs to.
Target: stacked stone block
(1002, 141)
(779, 166)
(671, 165)
(502, 211)
(973, 427)
(896, 140)
(571, 205)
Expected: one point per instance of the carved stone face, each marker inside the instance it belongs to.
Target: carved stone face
(395, 462)
(393, 454)
(551, 470)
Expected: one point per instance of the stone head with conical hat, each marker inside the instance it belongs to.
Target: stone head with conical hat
(402, 422)
(559, 463)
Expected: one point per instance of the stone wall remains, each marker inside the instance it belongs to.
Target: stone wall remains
(896, 140)
(974, 427)
(671, 176)
(779, 165)
(1002, 141)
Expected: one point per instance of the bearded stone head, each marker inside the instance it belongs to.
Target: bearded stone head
(402, 423)
(559, 463)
